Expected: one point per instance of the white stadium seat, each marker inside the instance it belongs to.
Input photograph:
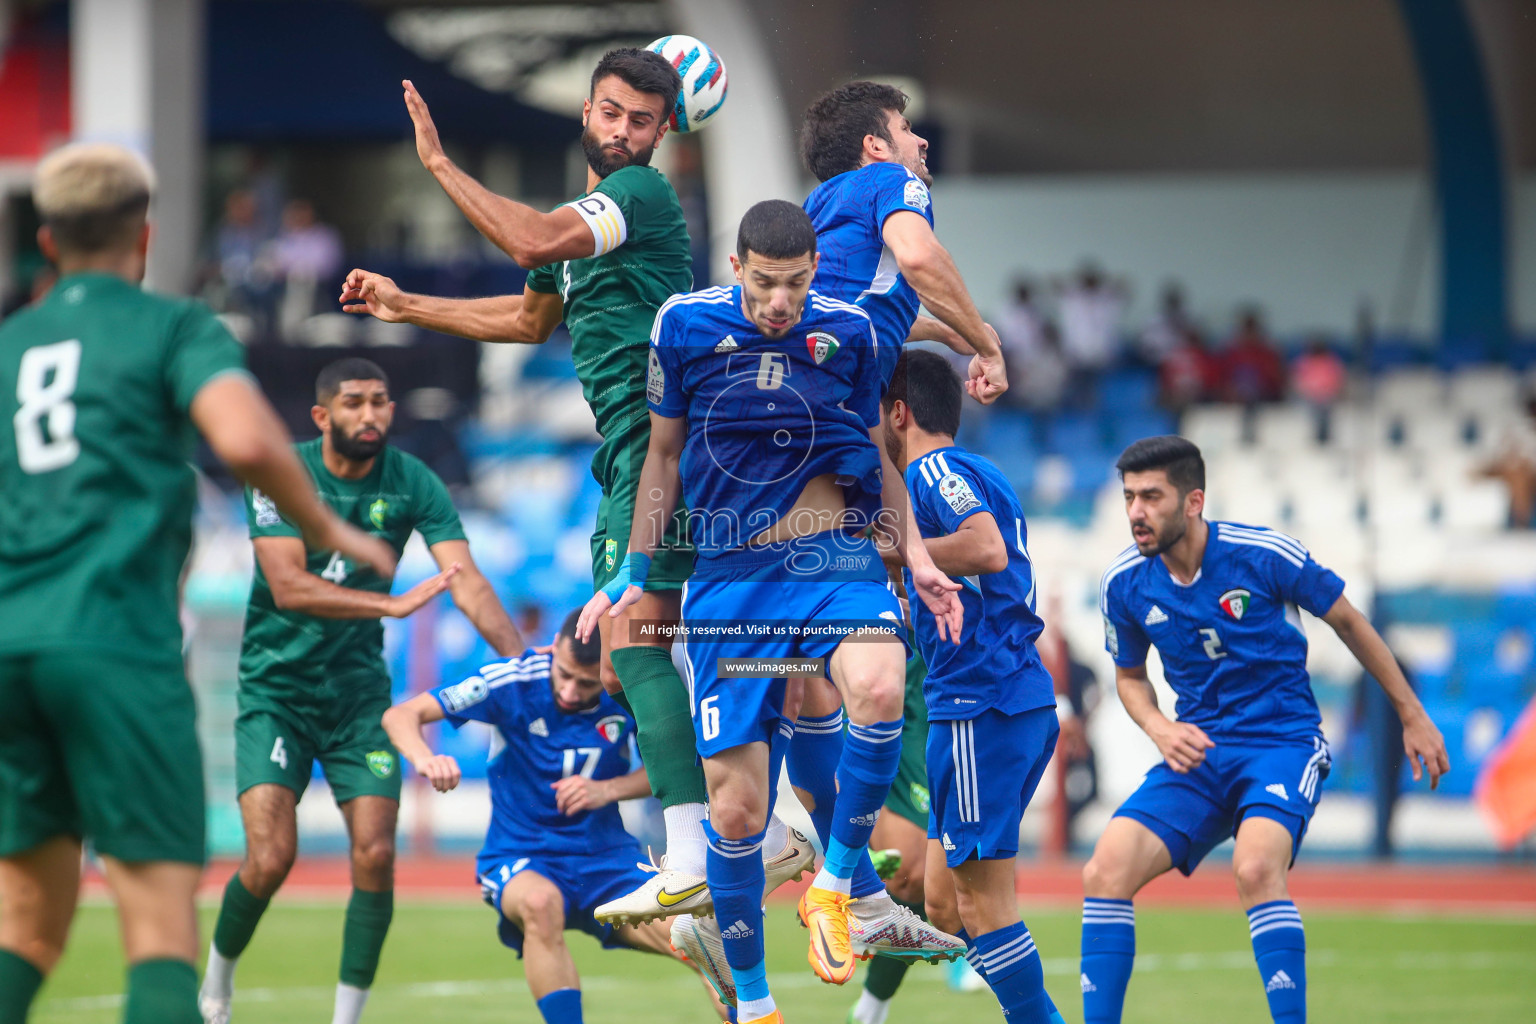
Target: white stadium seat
(1481, 505)
(1214, 428)
(1411, 389)
(1485, 389)
(1286, 428)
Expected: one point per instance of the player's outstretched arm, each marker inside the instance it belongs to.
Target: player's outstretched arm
(577, 793)
(1422, 741)
(403, 724)
(1182, 745)
(476, 598)
(926, 328)
(529, 318)
(528, 236)
(932, 273)
(246, 434)
(660, 486)
(976, 548)
(296, 589)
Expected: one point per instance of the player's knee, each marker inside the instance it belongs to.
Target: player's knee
(943, 912)
(1107, 876)
(266, 866)
(875, 696)
(375, 858)
(906, 887)
(737, 819)
(1260, 877)
(610, 678)
(543, 911)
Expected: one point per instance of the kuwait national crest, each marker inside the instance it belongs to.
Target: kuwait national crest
(822, 346)
(611, 728)
(1235, 602)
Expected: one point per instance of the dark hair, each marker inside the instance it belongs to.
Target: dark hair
(931, 389)
(643, 71)
(777, 229)
(351, 368)
(585, 653)
(1174, 455)
(832, 135)
(95, 231)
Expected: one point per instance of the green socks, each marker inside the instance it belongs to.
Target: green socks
(162, 992)
(19, 982)
(238, 916)
(368, 916)
(660, 702)
(885, 973)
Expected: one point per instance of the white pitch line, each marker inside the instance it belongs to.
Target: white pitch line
(1154, 962)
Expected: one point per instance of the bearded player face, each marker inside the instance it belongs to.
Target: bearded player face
(358, 419)
(1158, 513)
(622, 126)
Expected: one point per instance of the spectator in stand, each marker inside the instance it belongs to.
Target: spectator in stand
(1040, 380)
(1318, 376)
(1189, 373)
(306, 252)
(239, 272)
(1251, 368)
(1515, 464)
(1090, 308)
(1168, 331)
(1020, 326)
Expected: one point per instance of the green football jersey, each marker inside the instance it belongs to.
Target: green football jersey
(96, 382)
(611, 298)
(308, 660)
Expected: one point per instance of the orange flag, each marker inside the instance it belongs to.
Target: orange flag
(1506, 787)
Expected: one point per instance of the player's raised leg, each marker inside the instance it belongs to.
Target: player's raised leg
(371, 825)
(1127, 856)
(268, 813)
(536, 907)
(1260, 860)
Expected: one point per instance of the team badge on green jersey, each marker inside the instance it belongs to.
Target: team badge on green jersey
(611, 552)
(1235, 602)
(920, 797)
(381, 763)
(376, 513)
(821, 345)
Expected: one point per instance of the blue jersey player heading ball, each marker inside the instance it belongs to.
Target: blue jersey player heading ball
(1246, 757)
(555, 848)
(873, 214)
(991, 704)
(765, 410)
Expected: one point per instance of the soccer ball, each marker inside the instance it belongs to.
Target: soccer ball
(703, 73)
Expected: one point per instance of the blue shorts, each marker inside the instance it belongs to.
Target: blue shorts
(981, 822)
(745, 610)
(1193, 813)
(585, 881)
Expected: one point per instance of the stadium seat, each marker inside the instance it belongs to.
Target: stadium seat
(1285, 428)
(1324, 508)
(1479, 505)
(1132, 388)
(1434, 428)
(1215, 428)
(1069, 433)
(1410, 390)
(1127, 427)
(1483, 390)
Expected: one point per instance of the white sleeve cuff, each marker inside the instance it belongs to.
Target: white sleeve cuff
(605, 219)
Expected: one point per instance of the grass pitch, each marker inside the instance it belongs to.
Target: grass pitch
(442, 962)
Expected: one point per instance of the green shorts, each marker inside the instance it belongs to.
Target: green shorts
(617, 468)
(102, 746)
(909, 793)
(279, 743)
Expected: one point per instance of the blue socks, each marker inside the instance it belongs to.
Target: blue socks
(1014, 972)
(813, 759)
(1280, 947)
(735, 872)
(562, 1006)
(864, 775)
(1109, 950)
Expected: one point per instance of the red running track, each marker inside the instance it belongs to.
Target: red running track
(1479, 888)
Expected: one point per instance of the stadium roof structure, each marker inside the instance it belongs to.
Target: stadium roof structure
(329, 71)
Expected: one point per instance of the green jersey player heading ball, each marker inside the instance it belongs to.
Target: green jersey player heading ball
(604, 263)
(103, 388)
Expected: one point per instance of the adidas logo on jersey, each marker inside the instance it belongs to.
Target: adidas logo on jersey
(1155, 616)
(1280, 980)
(728, 345)
(739, 930)
(1278, 789)
(1089, 986)
(538, 728)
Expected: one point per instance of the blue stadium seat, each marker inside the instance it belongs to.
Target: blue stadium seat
(1131, 388)
(1070, 432)
(1133, 426)
(1391, 352)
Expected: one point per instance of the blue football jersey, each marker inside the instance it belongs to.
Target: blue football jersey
(765, 416)
(995, 665)
(849, 213)
(1232, 642)
(536, 745)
